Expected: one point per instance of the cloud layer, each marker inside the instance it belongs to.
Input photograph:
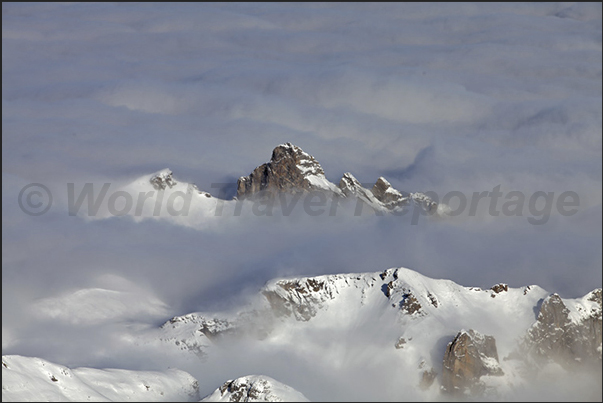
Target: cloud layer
(435, 97)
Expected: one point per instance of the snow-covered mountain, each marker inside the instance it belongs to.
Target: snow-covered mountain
(441, 338)
(291, 170)
(255, 388)
(34, 379)
(290, 174)
(456, 340)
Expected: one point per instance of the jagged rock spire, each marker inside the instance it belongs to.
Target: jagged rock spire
(469, 356)
(290, 170)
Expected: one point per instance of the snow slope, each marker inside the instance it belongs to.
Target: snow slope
(255, 388)
(34, 379)
(397, 317)
(368, 329)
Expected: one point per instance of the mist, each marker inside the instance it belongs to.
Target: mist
(434, 97)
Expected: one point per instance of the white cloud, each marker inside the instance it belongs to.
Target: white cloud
(432, 96)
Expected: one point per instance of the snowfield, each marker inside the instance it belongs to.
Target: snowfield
(34, 379)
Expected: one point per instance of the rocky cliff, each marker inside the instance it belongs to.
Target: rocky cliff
(406, 319)
(569, 334)
(291, 171)
(469, 356)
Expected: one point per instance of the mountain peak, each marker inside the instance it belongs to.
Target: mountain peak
(162, 179)
(255, 388)
(385, 192)
(290, 170)
(303, 161)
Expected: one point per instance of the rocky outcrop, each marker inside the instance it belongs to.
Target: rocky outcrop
(500, 287)
(255, 388)
(209, 327)
(570, 337)
(196, 332)
(290, 170)
(400, 343)
(427, 378)
(386, 194)
(469, 356)
(410, 304)
(301, 298)
(423, 201)
(162, 180)
(350, 187)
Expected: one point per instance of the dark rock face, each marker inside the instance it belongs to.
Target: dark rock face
(433, 300)
(410, 304)
(287, 171)
(293, 171)
(555, 336)
(468, 357)
(501, 287)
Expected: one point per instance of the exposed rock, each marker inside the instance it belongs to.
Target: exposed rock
(423, 201)
(570, 339)
(498, 288)
(400, 343)
(433, 299)
(303, 298)
(350, 187)
(163, 179)
(427, 379)
(192, 188)
(300, 297)
(468, 357)
(386, 194)
(389, 287)
(255, 388)
(211, 328)
(195, 332)
(290, 170)
(410, 304)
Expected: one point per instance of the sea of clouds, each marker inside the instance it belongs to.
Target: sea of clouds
(435, 97)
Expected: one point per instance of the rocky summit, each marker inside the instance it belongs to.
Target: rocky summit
(255, 388)
(415, 321)
(291, 170)
(567, 336)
